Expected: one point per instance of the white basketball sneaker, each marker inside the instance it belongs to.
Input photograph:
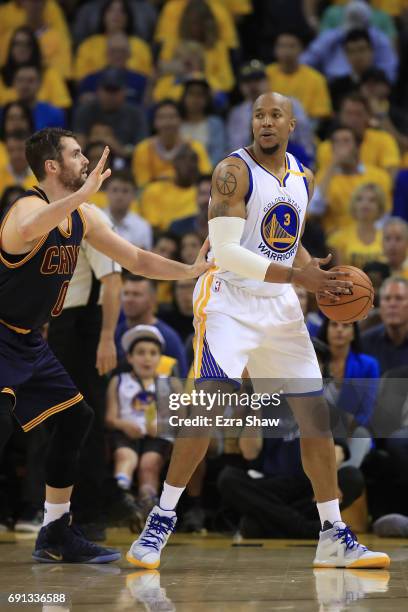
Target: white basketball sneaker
(338, 547)
(145, 551)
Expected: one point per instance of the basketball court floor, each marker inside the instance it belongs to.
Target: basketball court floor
(204, 574)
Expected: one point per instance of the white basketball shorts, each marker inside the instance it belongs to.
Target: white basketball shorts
(235, 329)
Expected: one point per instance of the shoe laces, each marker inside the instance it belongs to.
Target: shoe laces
(347, 537)
(80, 542)
(158, 528)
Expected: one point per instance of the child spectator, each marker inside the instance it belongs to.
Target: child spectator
(132, 411)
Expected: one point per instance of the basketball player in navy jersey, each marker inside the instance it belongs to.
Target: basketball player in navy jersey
(247, 315)
(40, 237)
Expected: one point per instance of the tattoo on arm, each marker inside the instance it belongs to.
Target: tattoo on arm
(226, 183)
(219, 209)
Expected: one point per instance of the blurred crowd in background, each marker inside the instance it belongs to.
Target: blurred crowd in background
(169, 86)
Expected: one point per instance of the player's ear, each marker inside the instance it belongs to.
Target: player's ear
(51, 166)
(292, 124)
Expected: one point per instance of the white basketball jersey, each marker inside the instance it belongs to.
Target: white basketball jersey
(133, 400)
(275, 214)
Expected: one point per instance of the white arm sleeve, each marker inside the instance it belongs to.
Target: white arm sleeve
(225, 236)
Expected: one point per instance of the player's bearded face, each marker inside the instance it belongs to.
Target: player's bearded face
(72, 177)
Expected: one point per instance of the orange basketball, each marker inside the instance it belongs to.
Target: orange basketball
(352, 307)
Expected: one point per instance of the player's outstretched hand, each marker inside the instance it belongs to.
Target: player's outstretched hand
(201, 265)
(97, 176)
(315, 280)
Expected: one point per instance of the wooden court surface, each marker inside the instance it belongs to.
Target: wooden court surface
(207, 573)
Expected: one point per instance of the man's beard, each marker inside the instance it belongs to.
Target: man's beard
(70, 181)
(270, 150)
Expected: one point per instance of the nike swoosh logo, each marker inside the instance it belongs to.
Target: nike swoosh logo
(53, 556)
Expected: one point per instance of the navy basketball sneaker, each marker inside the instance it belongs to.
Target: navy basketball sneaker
(62, 542)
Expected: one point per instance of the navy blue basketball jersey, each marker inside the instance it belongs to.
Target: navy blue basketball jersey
(33, 286)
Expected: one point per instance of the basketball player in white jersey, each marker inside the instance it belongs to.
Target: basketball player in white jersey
(248, 315)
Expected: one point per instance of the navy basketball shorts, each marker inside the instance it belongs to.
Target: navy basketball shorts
(33, 377)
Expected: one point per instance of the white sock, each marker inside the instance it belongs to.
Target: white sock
(52, 512)
(170, 496)
(123, 481)
(329, 511)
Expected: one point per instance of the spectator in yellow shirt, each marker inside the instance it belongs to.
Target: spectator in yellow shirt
(395, 246)
(92, 53)
(362, 243)
(15, 116)
(169, 28)
(153, 157)
(337, 182)
(164, 202)
(17, 171)
(13, 15)
(55, 43)
(385, 111)
(24, 49)
(291, 78)
(188, 58)
(198, 23)
(198, 224)
(377, 148)
(117, 56)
